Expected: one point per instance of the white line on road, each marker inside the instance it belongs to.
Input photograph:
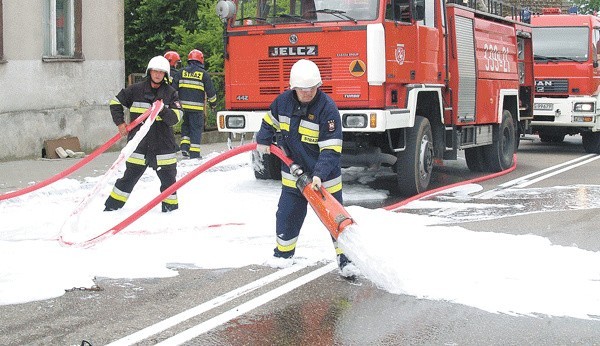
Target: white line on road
(523, 181)
(195, 311)
(247, 306)
(557, 172)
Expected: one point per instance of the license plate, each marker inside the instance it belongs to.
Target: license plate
(542, 106)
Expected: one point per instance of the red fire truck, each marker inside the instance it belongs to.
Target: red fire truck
(567, 77)
(415, 80)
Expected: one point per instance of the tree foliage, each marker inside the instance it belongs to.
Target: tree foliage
(150, 28)
(153, 27)
(588, 6)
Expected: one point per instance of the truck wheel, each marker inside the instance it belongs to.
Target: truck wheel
(591, 142)
(415, 163)
(499, 155)
(475, 159)
(266, 166)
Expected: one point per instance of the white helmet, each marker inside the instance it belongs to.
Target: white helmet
(304, 74)
(159, 63)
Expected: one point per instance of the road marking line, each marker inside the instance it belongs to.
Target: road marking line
(525, 178)
(558, 172)
(245, 307)
(195, 311)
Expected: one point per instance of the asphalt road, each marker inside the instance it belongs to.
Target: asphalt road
(313, 305)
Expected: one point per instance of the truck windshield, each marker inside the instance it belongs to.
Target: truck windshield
(273, 12)
(561, 44)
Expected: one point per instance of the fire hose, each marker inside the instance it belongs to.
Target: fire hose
(330, 212)
(328, 209)
(79, 164)
(399, 205)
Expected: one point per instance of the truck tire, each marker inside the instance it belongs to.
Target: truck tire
(591, 142)
(499, 155)
(475, 159)
(415, 163)
(266, 166)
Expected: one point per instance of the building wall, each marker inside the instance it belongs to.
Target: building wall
(49, 100)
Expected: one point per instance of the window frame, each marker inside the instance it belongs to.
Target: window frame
(77, 37)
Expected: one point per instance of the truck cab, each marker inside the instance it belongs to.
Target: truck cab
(567, 77)
(415, 80)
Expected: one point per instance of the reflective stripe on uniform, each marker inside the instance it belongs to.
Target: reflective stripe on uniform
(184, 140)
(119, 195)
(114, 101)
(137, 110)
(287, 179)
(195, 148)
(191, 84)
(284, 123)
(166, 159)
(270, 119)
(197, 106)
(308, 128)
(332, 144)
(172, 199)
(179, 114)
(334, 185)
(286, 245)
(137, 159)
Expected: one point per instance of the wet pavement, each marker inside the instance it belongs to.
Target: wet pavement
(329, 310)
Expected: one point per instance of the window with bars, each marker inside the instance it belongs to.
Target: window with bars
(62, 30)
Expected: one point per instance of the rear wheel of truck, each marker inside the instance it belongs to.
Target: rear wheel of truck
(475, 159)
(499, 155)
(267, 166)
(415, 164)
(591, 142)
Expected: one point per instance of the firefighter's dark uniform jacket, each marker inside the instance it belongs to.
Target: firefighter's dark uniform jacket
(311, 135)
(194, 86)
(172, 74)
(157, 149)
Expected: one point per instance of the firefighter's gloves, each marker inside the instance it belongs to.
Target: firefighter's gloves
(316, 183)
(263, 149)
(213, 107)
(122, 130)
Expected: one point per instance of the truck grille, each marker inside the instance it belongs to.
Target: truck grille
(551, 86)
(277, 71)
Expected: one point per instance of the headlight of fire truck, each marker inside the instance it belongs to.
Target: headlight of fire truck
(356, 121)
(235, 121)
(584, 107)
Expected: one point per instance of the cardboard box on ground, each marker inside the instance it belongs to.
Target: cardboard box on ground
(50, 146)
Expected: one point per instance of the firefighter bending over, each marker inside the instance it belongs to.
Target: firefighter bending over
(158, 148)
(307, 125)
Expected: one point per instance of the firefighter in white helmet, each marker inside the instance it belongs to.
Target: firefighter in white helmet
(307, 125)
(158, 148)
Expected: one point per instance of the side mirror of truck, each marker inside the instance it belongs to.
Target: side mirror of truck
(595, 64)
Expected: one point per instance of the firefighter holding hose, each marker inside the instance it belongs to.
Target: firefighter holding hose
(158, 148)
(307, 125)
